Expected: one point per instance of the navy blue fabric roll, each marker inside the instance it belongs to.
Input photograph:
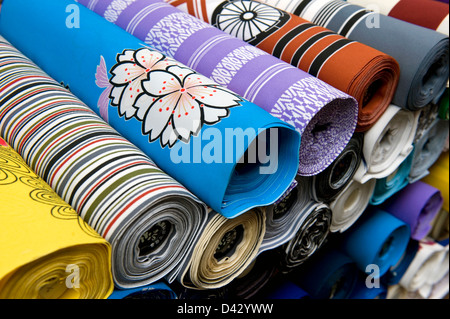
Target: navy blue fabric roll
(328, 275)
(287, 290)
(363, 291)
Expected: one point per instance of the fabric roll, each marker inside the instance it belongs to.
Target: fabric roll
(417, 205)
(396, 272)
(66, 258)
(287, 290)
(387, 144)
(348, 207)
(309, 238)
(387, 187)
(126, 82)
(285, 218)
(150, 219)
(438, 274)
(427, 117)
(399, 292)
(256, 278)
(378, 238)
(156, 291)
(224, 250)
(328, 275)
(208, 294)
(440, 226)
(428, 149)
(429, 266)
(327, 185)
(371, 77)
(426, 13)
(325, 116)
(440, 289)
(439, 177)
(424, 64)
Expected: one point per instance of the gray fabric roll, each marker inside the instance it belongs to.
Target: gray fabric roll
(423, 54)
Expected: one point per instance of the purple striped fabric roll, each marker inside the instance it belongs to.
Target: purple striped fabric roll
(325, 117)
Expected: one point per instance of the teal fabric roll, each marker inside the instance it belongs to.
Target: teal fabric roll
(377, 238)
(389, 186)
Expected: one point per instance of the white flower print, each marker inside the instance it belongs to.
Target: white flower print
(179, 102)
(172, 101)
(128, 74)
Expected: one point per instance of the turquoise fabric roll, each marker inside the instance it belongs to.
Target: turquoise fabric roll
(388, 186)
(377, 239)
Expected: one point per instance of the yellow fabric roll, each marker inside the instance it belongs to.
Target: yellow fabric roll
(439, 178)
(46, 250)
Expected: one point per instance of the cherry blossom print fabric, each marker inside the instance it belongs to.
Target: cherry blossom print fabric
(320, 112)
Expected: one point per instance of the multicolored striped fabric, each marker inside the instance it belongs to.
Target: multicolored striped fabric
(430, 14)
(325, 116)
(367, 74)
(150, 220)
(424, 63)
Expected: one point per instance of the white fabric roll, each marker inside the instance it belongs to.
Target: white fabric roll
(429, 267)
(387, 144)
(350, 204)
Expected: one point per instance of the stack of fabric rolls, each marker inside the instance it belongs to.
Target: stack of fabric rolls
(191, 149)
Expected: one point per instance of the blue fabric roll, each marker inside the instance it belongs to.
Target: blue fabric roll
(362, 291)
(197, 132)
(377, 238)
(395, 273)
(287, 290)
(154, 291)
(388, 186)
